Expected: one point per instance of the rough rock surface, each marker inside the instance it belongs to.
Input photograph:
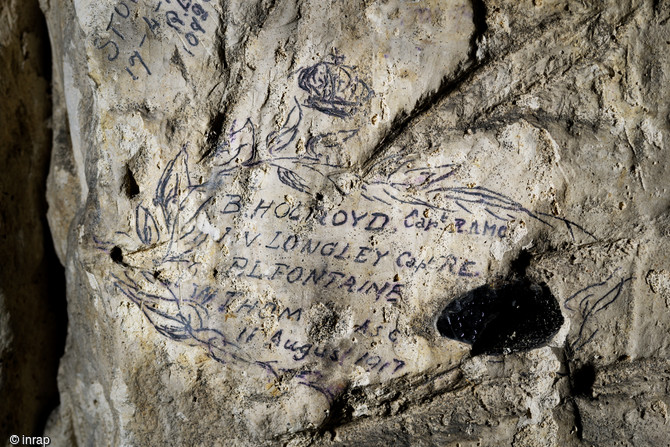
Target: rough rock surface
(267, 206)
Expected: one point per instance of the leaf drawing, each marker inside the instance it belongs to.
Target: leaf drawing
(291, 179)
(277, 141)
(239, 145)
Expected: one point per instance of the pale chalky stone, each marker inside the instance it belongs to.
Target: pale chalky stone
(352, 223)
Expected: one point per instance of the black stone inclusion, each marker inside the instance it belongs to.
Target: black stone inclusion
(517, 316)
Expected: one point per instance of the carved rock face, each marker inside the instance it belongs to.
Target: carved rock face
(275, 227)
(238, 257)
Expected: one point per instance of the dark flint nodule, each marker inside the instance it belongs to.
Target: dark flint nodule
(517, 316)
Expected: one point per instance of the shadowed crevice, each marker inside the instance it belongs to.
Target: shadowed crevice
(32, 280)
(54, 298)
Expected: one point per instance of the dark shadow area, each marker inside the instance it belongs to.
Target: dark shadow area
(129, 185)
(479, 20)
(582, 380)
(55, 298)
(117, 255)
(33, 311)
(516, 316)
(55, 302)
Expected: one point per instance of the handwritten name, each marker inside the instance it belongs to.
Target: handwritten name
(304, 276)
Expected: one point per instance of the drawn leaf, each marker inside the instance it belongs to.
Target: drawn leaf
(420, 178)
(145, 226)
(174, 179)
(240, 144)
(277, 141)
(329, 143)
(588, 302)
(484, 196)
(290, 178)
